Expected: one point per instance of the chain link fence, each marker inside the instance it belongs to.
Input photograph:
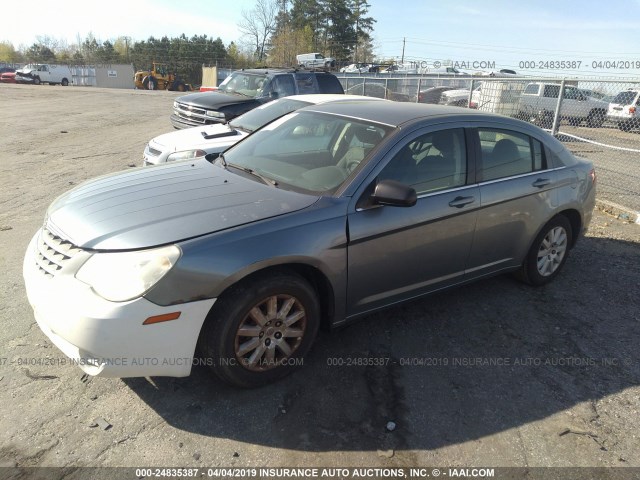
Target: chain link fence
(596, 119)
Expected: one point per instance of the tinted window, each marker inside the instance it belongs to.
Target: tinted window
(243, 83)
(329, 84)
(532, 89)
(552, 91)
(506, 153)
(431, 162)
(306, 83)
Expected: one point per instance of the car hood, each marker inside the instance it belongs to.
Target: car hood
(147, 207)
(214, 100)
(194, 138)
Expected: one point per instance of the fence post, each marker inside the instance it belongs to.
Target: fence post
(419, 87)
(556, 115)
(470, 94)
(386, 87)
(364, 87)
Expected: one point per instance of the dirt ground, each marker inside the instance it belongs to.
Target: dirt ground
(492, 374)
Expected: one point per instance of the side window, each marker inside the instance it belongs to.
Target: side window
(431, 162)
(284, 86)
(532, 89)
(506, 153)
(551, 91)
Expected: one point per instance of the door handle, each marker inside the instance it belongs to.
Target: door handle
(460, 202)
(541, 182)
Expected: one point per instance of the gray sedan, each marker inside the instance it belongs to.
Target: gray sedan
(319, 218)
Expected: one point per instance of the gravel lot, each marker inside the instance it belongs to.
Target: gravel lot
(493, 374)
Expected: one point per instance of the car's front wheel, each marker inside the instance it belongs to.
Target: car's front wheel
(548, 253)
(260, 330)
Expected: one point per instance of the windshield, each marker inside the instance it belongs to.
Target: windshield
(247, 84)
(308, 151)
(625, 98)
(258, 117)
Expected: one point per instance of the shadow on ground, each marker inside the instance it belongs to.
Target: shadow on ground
(452, 373)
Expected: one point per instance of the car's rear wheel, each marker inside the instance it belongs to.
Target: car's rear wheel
(548, 253)
(64, 82)
(260, 330)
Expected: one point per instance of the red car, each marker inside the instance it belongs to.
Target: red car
(9, 77)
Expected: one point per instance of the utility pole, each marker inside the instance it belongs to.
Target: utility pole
(404, 40)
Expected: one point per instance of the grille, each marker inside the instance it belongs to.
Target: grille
(194, 114)
(53, 252)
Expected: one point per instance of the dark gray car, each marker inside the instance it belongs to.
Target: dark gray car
(321, 217)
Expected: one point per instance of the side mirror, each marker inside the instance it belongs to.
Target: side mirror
(394, 194)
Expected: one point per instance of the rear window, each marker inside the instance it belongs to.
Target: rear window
(625, 98)
(306, 83)
(329, 84)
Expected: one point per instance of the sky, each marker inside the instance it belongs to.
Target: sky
(592, 37)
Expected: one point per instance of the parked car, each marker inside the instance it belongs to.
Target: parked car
(315, 60)
(399, 68)
(8, 77)
(7, 70)
(377, 90)
(459, 97)
(244, 90)
(356, 68)
(197, 142)
(624, 109)
(538, 103)
(44, 73)
(323, 216)
(433, 95)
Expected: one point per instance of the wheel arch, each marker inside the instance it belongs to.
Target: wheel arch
(575, 219)
(318, 280)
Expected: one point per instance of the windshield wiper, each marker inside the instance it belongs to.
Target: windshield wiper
(250, 171)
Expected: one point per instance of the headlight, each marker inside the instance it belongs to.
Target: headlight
(123, 276)
(186, 155)
(213, 113)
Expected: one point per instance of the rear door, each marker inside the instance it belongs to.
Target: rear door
(396, 253)
(517, 191)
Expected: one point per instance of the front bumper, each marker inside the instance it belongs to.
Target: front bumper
(108, 338)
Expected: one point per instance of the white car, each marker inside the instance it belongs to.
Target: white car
(355, 68)
(624, 109)
(197, 142)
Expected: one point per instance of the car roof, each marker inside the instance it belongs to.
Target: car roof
(320, 98)
(396, 113)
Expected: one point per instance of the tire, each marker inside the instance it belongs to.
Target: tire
(36, 81)
(624, 126)
(64, 82)
(150, 83)
(548, 253)
(180, 87)
(544, 120)
(596, 118)
(574, 121)
(269, 350)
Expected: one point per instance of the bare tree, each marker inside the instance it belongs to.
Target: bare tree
(259, 23)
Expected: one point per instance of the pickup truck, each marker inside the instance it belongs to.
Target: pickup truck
(44, 73)
(244, 90)
(538, 104)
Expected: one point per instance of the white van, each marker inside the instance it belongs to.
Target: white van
(315, 60)
(44, 73)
